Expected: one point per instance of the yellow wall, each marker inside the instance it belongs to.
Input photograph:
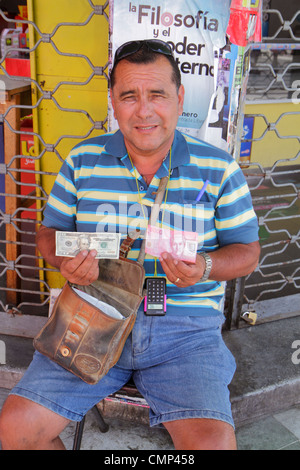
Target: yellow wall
(49, 69)
(271, 148)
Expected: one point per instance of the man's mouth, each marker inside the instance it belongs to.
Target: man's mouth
(146, 128)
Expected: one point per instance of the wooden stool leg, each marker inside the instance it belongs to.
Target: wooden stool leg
(80, 427)
(101, 423)
(78, 434)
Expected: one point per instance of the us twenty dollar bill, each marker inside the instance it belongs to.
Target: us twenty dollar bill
(69, 244)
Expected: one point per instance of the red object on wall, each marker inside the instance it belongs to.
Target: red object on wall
(17, 67)
(245, 22)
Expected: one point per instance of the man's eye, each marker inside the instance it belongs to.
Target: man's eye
(157, 96)
(129, 98)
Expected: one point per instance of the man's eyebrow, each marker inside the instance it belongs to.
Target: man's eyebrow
(123, 94)
(159, 91)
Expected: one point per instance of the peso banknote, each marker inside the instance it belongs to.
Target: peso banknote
(180, 244)
(69, 244)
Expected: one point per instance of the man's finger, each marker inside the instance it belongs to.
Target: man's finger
(77, 269)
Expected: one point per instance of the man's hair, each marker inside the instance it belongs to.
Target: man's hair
(146, 56)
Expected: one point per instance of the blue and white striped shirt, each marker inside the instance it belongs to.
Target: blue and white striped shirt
(96, 190)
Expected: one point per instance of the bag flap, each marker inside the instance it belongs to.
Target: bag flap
(120, 284)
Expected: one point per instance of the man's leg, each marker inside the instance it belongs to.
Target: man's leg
(25, 425)
(201, 434)
(46, 399)
(187, 388)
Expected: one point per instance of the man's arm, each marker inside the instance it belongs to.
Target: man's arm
(228, 262)
(83, 269)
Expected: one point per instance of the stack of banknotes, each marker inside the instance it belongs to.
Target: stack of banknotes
(181, 245)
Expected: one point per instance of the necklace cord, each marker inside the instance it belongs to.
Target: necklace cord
(154, 213)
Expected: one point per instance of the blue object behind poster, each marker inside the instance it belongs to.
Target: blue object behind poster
(2, 176)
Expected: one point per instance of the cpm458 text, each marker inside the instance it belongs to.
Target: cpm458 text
(159, 458)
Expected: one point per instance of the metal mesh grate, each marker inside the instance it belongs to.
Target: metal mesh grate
(24, 279)
(273, 171)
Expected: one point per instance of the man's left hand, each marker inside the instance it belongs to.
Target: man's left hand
(181, 273)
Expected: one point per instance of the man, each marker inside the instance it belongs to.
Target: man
(179, 361)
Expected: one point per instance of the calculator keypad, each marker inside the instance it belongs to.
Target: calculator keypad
(155, 302)
(156, 291)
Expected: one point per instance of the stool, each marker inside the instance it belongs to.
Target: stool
(80, 426)
(127, 393)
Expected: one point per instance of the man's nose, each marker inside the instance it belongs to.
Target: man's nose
(144, 108)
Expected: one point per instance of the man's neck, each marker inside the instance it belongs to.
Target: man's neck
(148, 164)
(147, 167)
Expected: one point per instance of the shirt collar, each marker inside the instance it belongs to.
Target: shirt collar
(180, 151)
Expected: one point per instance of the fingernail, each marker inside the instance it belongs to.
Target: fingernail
(85, 253)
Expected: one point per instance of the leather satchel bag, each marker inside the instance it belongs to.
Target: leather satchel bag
(83, 338)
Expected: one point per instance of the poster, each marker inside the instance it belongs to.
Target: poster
(196, 31)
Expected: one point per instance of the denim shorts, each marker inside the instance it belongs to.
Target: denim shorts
(180, 365)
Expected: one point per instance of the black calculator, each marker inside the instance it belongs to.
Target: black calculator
(156, 297)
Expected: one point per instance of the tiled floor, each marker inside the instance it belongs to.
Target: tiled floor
(280, 431)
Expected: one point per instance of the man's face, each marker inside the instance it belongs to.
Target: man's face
(178, 246)
(84, 243)
(147, 105)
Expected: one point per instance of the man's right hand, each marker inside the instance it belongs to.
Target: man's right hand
(82, 270)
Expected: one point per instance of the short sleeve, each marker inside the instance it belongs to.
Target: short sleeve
(235, 218)
(60, 211)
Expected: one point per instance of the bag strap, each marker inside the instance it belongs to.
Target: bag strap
(128, 242)
(154, 213)
(134, 235)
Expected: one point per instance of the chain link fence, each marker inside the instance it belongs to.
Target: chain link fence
(32, 152)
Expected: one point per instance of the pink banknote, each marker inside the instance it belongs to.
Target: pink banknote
(181, 245)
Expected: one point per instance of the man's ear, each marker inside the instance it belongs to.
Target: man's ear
(181, 93)
(112, 101)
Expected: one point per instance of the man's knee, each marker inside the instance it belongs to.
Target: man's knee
(27, 425)
(14, 423)
(8, 421)
(201, 434)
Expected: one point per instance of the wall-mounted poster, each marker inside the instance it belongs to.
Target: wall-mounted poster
(196, 31)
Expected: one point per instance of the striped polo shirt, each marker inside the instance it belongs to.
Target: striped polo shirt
(98, 190)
